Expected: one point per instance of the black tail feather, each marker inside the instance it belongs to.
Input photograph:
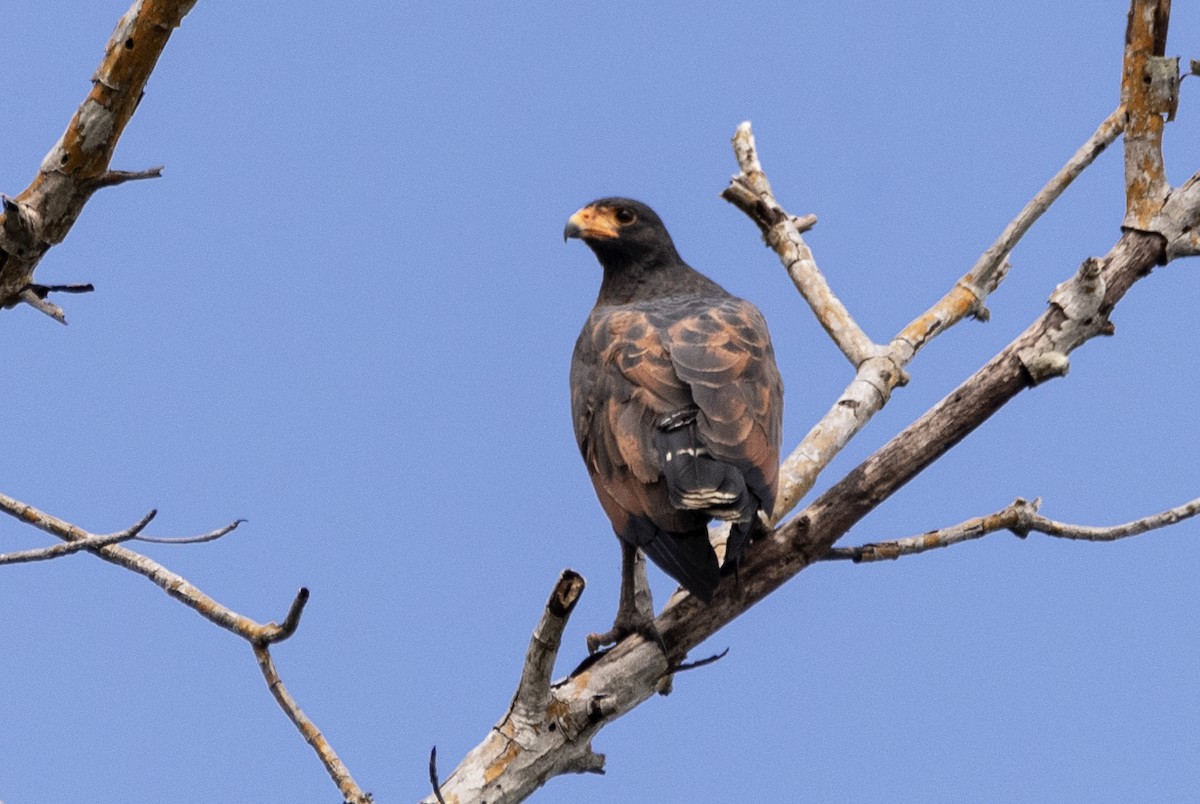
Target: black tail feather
(696, 481)
(686, 557)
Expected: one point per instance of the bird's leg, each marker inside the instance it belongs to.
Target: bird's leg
(635, 610)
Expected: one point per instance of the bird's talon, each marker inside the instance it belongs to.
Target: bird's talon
(597, 642)
(646, 630)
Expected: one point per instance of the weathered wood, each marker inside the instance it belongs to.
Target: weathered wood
(44, 212)
(521, 754)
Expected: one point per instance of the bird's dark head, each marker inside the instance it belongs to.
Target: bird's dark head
(622, 232)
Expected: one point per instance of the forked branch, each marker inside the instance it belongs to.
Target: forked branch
(604, 689)
(259, 635)
(878, 369)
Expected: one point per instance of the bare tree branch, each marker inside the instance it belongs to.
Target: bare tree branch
(28, 296)
(433, 776)
(111, 178)
(1062, 530)
(259, 636)
(750, 191)
(350, 790)
(527, 746)
(1147, 93)
(39, 218)
(879, 369)
(93, 541)
(629, 674)
(519, 755)
(1020, 518)
(54, 551)
(174, 585)
(548, 728)
(41, 215)
(211, 536)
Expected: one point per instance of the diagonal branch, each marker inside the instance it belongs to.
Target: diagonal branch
(174, 585)
(750, 191)
(78, 164)
(351, 792)
(1020, 518)
(883, 368)
(602, 691)
(56, 550)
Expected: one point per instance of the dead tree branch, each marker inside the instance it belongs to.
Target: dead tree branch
(211, 536)
(750, 191)
(56, 550)
(259, 635)
(879, 369)
(554, 722)
(1020, 518)
(337, 770)
(174, 585)
(520, 754)
(44, 212)
(39, 218)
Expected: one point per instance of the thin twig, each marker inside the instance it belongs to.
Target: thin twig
(111, 178)
(290, 622)
(1012, 518)
(43, 290)
(433, 776)
(212, 535)
(683, 668)
(350, 790)
(1021, 518)
(91, 542)
(989, 270)
(1087, 533)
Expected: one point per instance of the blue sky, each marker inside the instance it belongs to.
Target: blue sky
(345, 313)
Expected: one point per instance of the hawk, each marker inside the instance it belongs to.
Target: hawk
(677, 405)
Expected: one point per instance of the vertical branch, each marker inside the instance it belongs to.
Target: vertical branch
(1147, 93)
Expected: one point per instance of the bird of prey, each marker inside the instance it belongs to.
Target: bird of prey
(677, 405)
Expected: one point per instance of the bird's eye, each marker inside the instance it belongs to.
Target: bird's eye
(625, 216)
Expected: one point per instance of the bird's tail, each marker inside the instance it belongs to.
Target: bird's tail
(687, 557)
(696, 480)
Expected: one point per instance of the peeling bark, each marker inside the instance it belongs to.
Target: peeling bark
(44, 212)
(530, 746)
